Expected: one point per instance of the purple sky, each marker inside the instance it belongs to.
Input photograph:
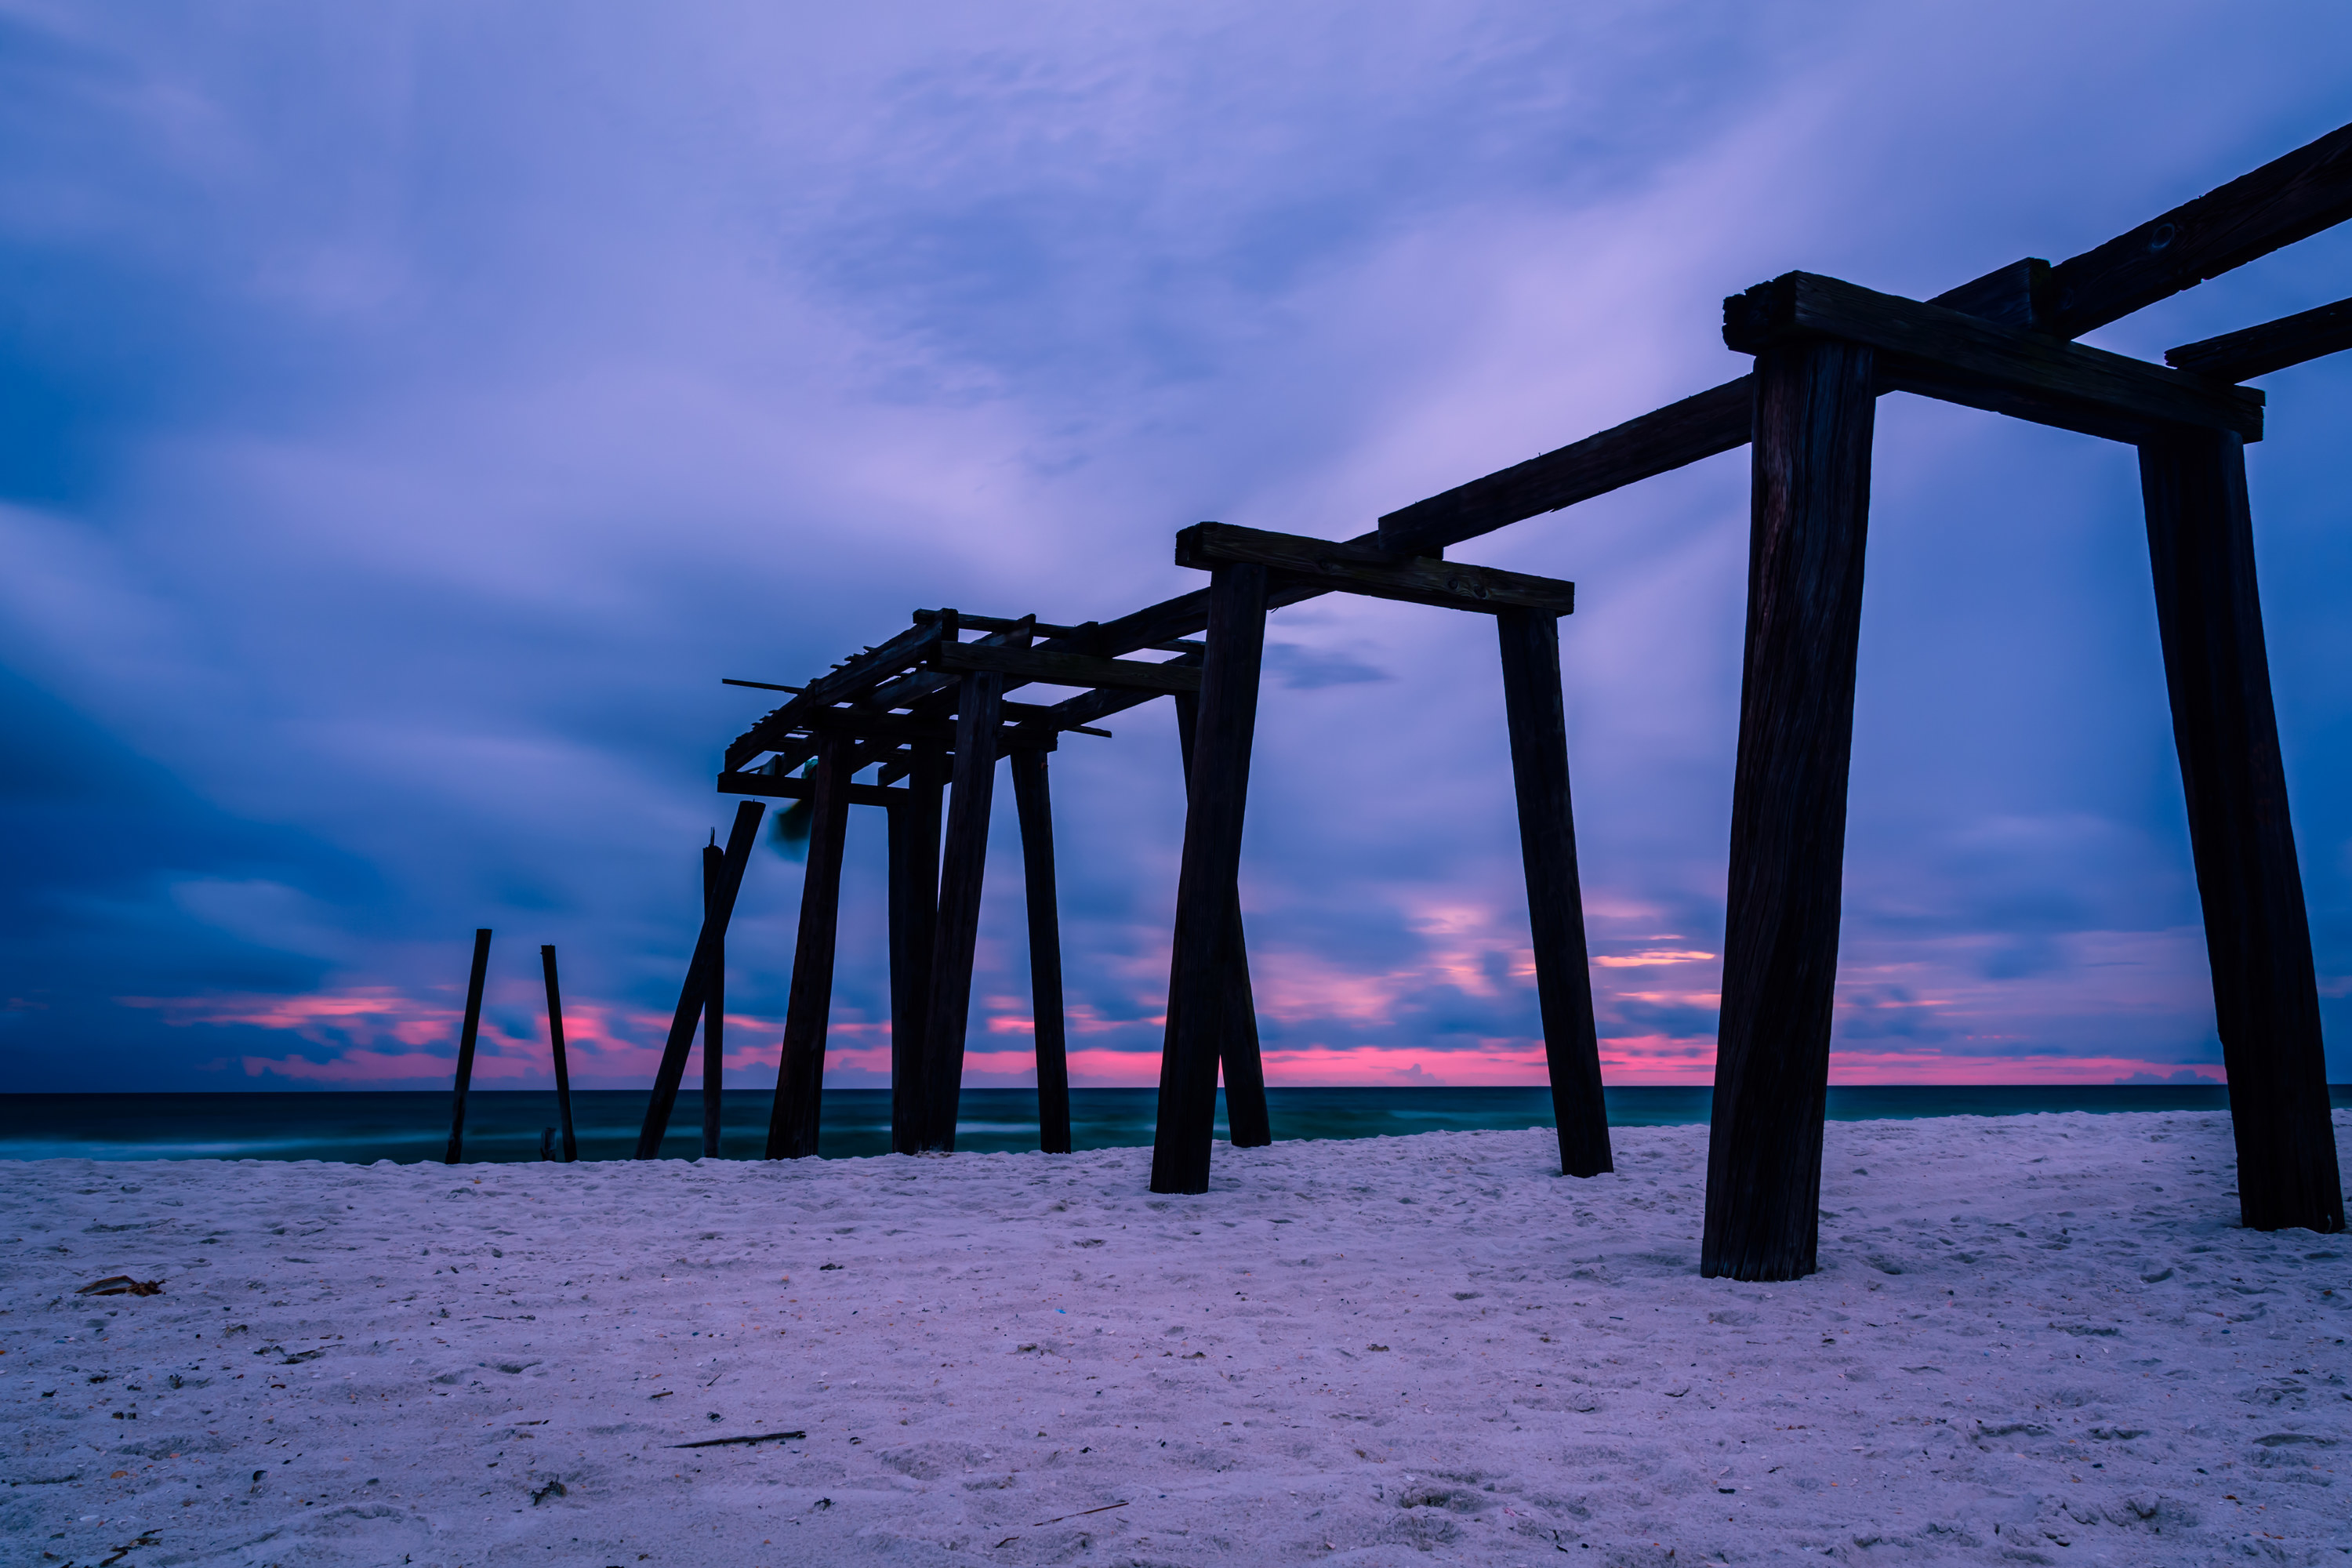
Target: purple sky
(408, 412)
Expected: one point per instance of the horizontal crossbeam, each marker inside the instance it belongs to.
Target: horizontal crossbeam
(780, 786)
(1350, 568)
(1055, 668)
(2273, 346)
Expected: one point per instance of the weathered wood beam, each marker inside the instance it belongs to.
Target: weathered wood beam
(466, 1035)
(2257, 931)
(672, 1070)
(1239, 1060)
(1066, 668)
(1358, 569)
(792, 1119)
(1964, 359)
(563, 1062)
(1034, 802)
(963, 861)
(2273, 346)
(852, 676)
(914, 878)
(777, 786)
(714, 1004)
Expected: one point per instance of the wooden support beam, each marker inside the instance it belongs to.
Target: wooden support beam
(1239, 1060)
(672, 1070)
(904, 651)
(780, 786)
(914, 878)
(1356, 569)
(1210, 868)
(2257, 933)
(808, 1007)
(1957, 357)
(2273, 346)
(466, 1035)
(1816, 404)
(1031, 797)
(1539, 726)
(714, 1003)
(562, 1063)
(1067, 669)
(963, 860)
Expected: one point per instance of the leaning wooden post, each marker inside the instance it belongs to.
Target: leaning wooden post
(1211, 867)
(1238, 1056)
(672, 1071)
(562, 1067)
(963, 861)
(800, 1074)
(1539, 726)
(1815, 401)
(2257, 934)
(465, 1045)
(914, 912)
(714, 1002)
(1031, 800)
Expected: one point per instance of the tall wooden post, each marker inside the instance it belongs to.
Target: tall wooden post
(962, 860)
(1815, 401)
(1217, 798)
(562, 1066)
(672, 1070)
(465, 1038)
(2257, 934)
(800, 1074)
(1238, 1055)
(1031, 799)
(714, 1004)
(1539, 726)
(914, 912)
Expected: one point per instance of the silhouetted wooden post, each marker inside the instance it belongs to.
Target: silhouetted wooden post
(1031, 799)
(714, 1002)
(1238, 1056)
(1539, 726)
(914, 912)
(2257, 934)
(466, 1047)
(1216, 801)
(555, 1040)
(674, 1050)
(962, 860)
(799, 1075)
(1815, 403)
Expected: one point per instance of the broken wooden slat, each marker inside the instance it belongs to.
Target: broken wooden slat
(1356, 569)
(2273, 346)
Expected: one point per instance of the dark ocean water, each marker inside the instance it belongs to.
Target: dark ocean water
(505, 1124)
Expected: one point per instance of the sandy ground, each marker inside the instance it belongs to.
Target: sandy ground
(2034, 1339)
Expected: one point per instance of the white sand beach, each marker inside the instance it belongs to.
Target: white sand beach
(2039, 1339)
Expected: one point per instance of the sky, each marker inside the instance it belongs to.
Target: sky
(409, 413)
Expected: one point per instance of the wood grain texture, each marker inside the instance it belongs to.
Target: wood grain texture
(563, 1061)
(914, 892)
(2273, 346)
(1964, 359)
(1068, 669)
(671, 1073)
(1210, 863)
(1032, 800)
(963, 860)
(793, 1116)
(714, 1004)
(1352, 568)
(1815, 403)
(466, 1035)
(2257, 932)
(1240, 1063)
(1532, 705)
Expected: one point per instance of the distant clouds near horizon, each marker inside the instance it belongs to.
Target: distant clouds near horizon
(408, 414)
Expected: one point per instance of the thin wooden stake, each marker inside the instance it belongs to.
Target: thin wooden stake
(963, 860)
(800, 1074)
(562, 1066)
(714, 1001)
(466, 1047)
(914, 913)
(1539, 726)
(1239, 1061)
(674, 1050)
(1217, 798)
(1815, 403)
(1033, 803)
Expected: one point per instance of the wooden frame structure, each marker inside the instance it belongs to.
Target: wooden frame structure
(929, 710)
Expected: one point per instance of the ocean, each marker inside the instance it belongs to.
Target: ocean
(506, 1124)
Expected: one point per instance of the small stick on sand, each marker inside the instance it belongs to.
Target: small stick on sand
(761, 1437)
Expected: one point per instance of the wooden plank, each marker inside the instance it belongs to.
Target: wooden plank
(963, 860)
(1539, 726)
(793, 1120)
(1031, 799)
(1354, 569)
(1209, 871)
(714, 1002)
(562, 1063)
(914, 878)
(1814, 410)
(465, 1038)
(1240, 1063)
(2257, 932)
(1067, 669)
(2285, 200)
(777, 786)
(672, 1069)
(852, 676)
(2273, 346)
(1952, 355)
